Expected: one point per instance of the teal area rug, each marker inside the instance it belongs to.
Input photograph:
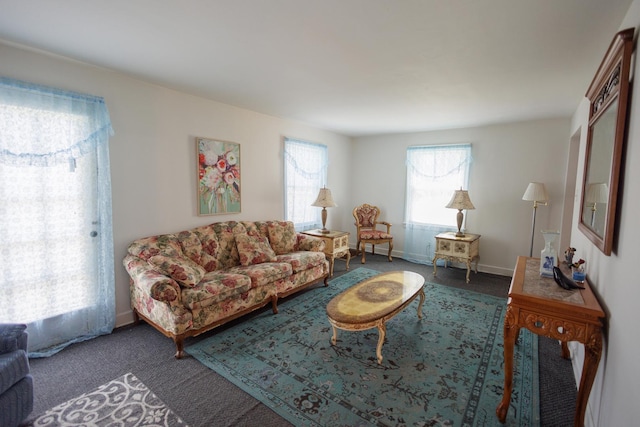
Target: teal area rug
(443, 370)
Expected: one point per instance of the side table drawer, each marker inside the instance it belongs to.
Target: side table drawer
(461, 249)
(444, 247)
(340, 243)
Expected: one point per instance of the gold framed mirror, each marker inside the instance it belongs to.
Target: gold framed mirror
(608, 95)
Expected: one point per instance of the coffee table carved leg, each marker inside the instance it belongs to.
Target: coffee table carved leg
(420, 303)
(511, 330)
(382, 329)
(334, 337)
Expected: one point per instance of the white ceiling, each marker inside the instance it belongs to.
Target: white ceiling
(355, 67)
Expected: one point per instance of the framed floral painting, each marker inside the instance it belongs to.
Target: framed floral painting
(218, 176)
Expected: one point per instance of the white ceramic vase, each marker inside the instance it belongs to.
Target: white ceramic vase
(548, 255)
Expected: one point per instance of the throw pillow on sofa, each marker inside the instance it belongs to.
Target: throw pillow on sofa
(191, 246)
(254, 249)
(209, 242)
(283, 237)
(182, 270)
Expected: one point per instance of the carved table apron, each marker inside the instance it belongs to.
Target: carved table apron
(540, 305)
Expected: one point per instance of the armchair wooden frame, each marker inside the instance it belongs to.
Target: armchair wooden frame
(366, 217)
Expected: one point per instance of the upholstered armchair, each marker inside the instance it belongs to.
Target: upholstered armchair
(366, 217)
(16, 385)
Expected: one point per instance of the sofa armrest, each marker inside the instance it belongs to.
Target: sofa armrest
(13, 336)
(309, 243)
(157, 285)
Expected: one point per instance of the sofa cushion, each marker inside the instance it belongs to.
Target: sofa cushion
(309, 243)
(302, 260)
(182, 270)
(216, 286)
(254, 249)
(227, 249)
(256, 227)
(164, 244)
(283, 236)
(265, 273)
(209, 244)
(191, 246)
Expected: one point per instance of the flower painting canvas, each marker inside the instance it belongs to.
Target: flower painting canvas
(218, 176)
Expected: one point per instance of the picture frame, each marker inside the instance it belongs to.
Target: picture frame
(218, 163)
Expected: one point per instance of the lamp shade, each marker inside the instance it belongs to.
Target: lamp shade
(535, 192)
(460, 200)
(598, 193)
(324, 199)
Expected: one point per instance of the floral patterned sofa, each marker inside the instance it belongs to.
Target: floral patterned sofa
(187, 283)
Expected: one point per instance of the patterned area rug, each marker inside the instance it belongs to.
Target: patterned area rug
(125, 402)
(443, 370)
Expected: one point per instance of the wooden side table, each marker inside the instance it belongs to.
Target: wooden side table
(463, 249)
(336, 245)
(540, 305)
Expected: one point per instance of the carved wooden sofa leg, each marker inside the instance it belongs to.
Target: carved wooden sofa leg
(179, 347)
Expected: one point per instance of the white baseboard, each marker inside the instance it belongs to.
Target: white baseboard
(484, 268)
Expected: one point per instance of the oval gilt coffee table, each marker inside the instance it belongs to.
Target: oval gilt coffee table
(372, 302)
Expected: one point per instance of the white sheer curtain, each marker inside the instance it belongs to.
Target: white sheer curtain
(305, 172)
(56, 240)
(433, 174)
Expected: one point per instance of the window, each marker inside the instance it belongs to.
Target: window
(305, 172)
(433, 174)
(56, 249)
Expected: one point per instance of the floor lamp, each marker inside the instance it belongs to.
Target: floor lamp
(596, 193)
(537, 194)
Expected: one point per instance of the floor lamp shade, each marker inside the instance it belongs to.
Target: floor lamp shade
(324, 201)
(536, 193)
(460, 200)
(597, 193)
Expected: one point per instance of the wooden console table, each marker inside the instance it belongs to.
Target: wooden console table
(460, 249)
(336, 245)
(540, 305)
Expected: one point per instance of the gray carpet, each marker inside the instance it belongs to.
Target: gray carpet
(203, 398)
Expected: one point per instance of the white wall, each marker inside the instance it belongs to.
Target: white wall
(616, 392)
(153, 160)
(505, 159)
(153, 173)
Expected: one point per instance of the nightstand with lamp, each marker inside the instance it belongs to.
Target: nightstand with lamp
(458, 246)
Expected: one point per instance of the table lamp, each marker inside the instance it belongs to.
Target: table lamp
(324, 201)
(460, 201)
